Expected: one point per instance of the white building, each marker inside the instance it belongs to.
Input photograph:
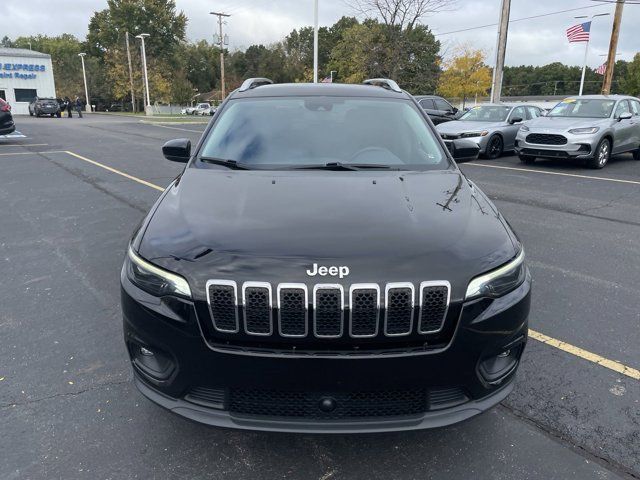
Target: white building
(25, 74)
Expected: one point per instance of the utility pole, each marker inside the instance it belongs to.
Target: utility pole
(613, 47)
(501, 48)
(221, 42)
(315, 41)
(133, 96)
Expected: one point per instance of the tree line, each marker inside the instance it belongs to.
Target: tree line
(392, 43)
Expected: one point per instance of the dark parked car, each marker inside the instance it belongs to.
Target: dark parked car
(438, 109)
(322, 265)
(44, 106)
(6, 119)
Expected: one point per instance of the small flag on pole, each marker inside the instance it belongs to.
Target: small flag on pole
(602, 69)
(579, 33)
(327, 80)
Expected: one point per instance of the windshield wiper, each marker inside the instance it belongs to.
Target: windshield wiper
(232, 164)
(342, 166)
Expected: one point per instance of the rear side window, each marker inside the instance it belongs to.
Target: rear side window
(290, 132)
(533, 112)
(442, 105)
(427, 103)
(635, 107)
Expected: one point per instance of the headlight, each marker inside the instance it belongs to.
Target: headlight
(524, 128)
(484, 133)
(499, 281)
(154, 280)
(582, 131)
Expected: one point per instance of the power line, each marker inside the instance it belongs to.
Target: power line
(519, 19)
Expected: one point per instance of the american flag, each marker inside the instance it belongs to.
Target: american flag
(579, 33)
(602, 69)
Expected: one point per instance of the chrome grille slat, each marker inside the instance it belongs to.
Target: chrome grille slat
(293, 313)
(434, 304)
(256, 302)
(222, 298)
(328, 310)
(364, 310)
(365, 304)
(399, 299)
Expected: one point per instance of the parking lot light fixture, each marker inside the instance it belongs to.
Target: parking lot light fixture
(147, 107)
(86, 90)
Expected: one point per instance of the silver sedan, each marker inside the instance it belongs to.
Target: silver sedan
(589, 128)
(492, 126)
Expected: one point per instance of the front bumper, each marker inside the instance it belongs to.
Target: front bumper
(577, 146)
(479, 140)
(186, 364)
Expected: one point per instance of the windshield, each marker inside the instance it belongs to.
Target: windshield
(294, 132)
(583, 108)
(487, 113)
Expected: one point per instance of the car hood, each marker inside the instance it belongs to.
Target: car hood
(273, 226)
(565, 123)
(460, 126)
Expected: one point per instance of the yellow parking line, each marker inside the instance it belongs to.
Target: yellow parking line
(30, 153)
(116, 171)
(591, 357)
(541, 337)
(547, 172)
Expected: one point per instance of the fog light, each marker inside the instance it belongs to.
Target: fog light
(154, 364)
(495, 369)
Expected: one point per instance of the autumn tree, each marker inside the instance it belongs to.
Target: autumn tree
(465, 75)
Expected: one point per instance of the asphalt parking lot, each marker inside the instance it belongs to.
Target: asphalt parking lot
(72, 192)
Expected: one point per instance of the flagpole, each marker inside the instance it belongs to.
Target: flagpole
(315, 41)
(584, 65)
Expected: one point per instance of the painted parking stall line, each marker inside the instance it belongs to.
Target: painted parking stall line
(547, 172)
(540, 337)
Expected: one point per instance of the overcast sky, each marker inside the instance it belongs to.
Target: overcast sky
(535, 41)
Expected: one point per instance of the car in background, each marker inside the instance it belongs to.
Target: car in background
(6, 119)
(589, 128)
(201, 109)
(44, 106)
(492, 126)
(437, 108)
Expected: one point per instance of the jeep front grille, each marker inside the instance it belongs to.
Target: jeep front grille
(366, 311)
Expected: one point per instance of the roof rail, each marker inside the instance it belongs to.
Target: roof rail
(384, 83)
(250, 83)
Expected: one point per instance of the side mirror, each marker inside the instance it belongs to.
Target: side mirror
(625, 116)
(178, 150)
(515, 120)
(454, 111)
(464, 150)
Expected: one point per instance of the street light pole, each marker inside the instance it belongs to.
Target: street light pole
(315, 41)
(86, 90)
(501, 48)
(332, 72)
(147, 107)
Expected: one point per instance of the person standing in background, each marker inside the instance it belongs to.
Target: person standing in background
(68, 107)
(79, 104)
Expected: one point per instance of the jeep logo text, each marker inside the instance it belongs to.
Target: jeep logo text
(341, 271)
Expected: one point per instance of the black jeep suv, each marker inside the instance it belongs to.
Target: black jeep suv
(322, 265)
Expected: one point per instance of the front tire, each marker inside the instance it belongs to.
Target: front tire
(30, 113)
(636, 154)
(527, 160)
(602, 155)
(495, 146)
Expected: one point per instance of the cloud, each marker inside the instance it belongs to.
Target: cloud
(535, 41)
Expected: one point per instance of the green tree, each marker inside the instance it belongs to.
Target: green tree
(465, 75)
(630, 83)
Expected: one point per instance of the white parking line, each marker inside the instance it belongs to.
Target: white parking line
(23, 144)
(8, 154)
(547, 172)
(173, 128)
